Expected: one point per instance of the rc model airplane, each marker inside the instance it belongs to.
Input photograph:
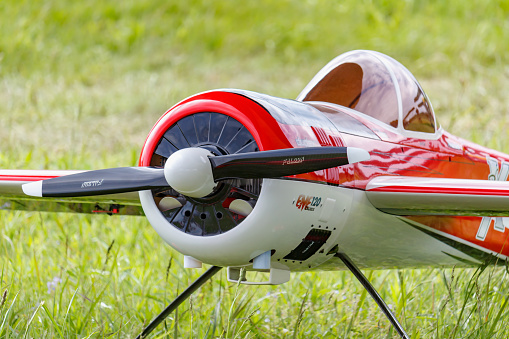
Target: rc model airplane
(356, 172)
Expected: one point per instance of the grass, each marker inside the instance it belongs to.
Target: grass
(82, 83)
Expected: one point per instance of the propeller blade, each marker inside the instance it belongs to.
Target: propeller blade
(194, 171)
(105, 181)
(283, 162)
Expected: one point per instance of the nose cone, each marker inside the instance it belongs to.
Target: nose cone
(189, 172)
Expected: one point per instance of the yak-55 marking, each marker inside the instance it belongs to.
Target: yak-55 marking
(356, 170)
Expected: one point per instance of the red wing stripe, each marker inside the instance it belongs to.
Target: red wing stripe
(14, 176)
(26, 177)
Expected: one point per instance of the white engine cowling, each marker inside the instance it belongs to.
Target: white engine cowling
(289, 221)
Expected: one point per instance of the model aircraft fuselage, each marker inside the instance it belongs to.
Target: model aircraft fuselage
(423, 198)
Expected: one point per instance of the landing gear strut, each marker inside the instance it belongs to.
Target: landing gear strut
(374, 294)
(179, 300)
(214, 269)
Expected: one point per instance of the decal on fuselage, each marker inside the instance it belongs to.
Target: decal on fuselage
(307, 202)
(498, 174)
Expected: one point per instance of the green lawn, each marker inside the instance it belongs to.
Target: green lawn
(82, 83)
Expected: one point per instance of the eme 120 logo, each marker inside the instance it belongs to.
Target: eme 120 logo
(307, 202)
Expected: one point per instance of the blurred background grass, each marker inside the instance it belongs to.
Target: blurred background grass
(82, 83)
(100, 40)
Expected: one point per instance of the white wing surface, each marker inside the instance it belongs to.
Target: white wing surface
(13, 198)
(439, 196)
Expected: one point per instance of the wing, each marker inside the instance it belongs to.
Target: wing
(438, 196)
(13, 198)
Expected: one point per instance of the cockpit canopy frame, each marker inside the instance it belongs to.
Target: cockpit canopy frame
(378, 86)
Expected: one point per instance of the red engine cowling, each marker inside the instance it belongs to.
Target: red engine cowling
(244, 218)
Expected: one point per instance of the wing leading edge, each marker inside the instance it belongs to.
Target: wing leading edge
(439, 196)
(13, 198)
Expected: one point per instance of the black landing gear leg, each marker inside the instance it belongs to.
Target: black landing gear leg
(179, 300)
(374, 294)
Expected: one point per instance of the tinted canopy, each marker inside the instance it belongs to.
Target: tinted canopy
(376, 85)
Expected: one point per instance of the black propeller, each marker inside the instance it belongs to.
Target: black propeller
(195, 171)
(99, 182)
(277, 163)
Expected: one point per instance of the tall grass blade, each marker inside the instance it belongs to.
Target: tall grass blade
(300, 315)
(495, 321)
(7, 313)
(32, 318)
(52, 320)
